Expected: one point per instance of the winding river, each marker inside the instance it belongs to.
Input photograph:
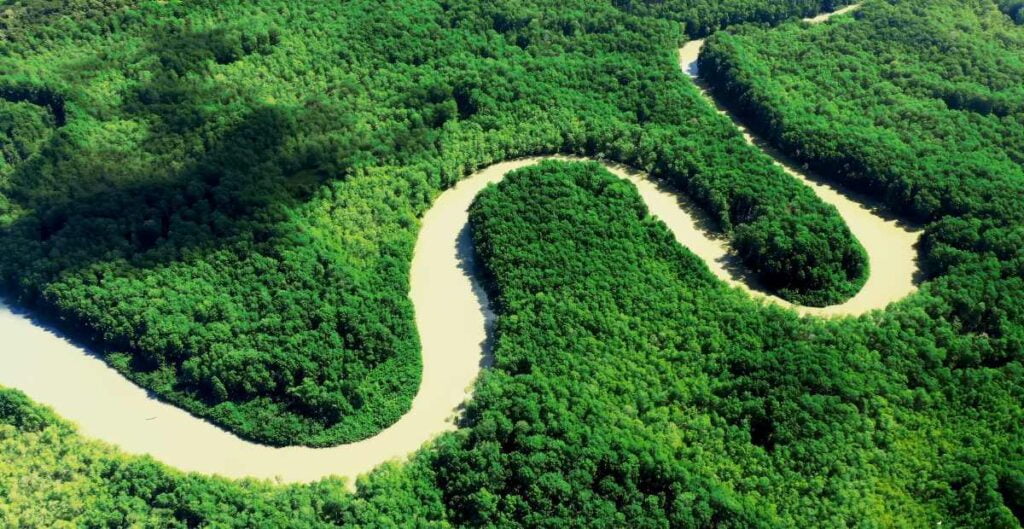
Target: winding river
(453, 320)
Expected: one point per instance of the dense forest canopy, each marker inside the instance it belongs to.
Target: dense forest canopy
(211, 171)
(631, 388)
(700, 18)
(921, 103)
(934, 130)
(1013, 8)
(224, 196)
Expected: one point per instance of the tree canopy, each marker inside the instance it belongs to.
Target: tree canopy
(223, 197)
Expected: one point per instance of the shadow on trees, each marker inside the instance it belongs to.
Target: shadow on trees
(41, 95)
(235, 190)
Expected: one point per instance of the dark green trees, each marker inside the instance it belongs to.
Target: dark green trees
(701, 18)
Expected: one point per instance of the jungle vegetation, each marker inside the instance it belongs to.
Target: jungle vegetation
(223, 196)
(631, 388)
(917, 103)
(701, 18)
(1013, 8)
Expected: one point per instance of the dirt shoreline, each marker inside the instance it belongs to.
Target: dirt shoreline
(454, 322)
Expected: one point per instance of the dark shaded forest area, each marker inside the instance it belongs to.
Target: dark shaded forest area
(1013, 8)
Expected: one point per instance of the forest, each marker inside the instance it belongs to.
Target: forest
(194, 177)
(631, 388)
(931, 131)
(223, 197)
(700, 18)
(1013, 8)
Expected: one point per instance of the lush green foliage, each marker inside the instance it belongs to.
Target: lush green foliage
(23, 128)
(631, 388)
(1013, 8)
(928, 121)
(916, 102)
(700, 17)
(617, 350)
(52, 479)
(188, 182)
(225, 198)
